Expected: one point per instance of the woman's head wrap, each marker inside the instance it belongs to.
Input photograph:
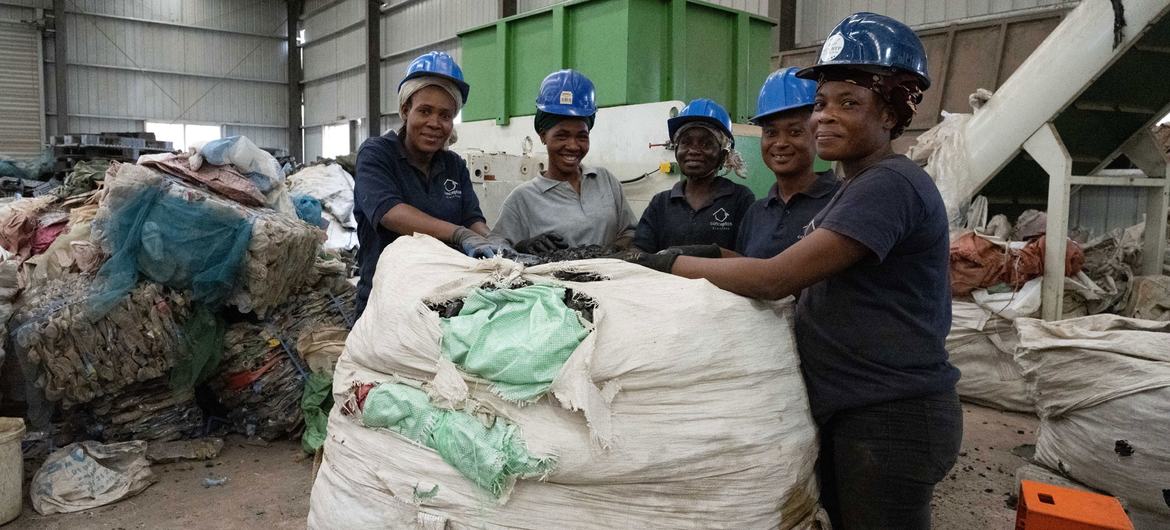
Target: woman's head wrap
(733, 161)
(410, 86)
(545, 121)
(901, 90)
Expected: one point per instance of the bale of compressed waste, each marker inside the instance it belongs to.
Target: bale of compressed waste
(150, 411)
(171, 233)
(262, 377)
(81, 359)
(639, 426)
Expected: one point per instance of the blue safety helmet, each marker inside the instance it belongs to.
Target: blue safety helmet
(871, 41)
(704, 110)
(438, 64)
(784, 91)
(567, 93)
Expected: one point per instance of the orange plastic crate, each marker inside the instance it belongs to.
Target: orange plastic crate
(1047, 507)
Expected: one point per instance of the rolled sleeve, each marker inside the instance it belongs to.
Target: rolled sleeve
(877, 210)
(376, 189)
(646, 235)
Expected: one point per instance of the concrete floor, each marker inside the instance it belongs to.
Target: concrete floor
(268, 486)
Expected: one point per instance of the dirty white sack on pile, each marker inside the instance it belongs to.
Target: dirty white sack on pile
(1102, 390)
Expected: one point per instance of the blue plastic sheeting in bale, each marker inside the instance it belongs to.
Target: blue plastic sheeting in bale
(309, 210)
(179, 243)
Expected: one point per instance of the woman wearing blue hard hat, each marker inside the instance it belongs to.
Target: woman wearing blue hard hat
(874, 306)
(569, 204)
(777, 221)
(705, 208)
(408, 182)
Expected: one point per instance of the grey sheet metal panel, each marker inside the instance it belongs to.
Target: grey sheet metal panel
(815, 18)
(759, 7)
(963, 58)
(21, 112)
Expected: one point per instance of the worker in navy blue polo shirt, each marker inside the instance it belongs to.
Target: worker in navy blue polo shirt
(407, 181)
(705, 208)
(777, 221)
(875, 303)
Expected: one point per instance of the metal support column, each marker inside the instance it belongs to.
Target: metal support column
(374, 67)
(1049, 151)
(296, 144)
(784, 11)
(61, 67)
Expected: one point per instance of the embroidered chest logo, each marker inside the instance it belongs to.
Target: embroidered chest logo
(451, 189)
(720, 220)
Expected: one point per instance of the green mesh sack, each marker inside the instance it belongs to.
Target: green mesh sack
(516, 338)
(489, 456)
(200, 351)
(180, 243)
(316, 401)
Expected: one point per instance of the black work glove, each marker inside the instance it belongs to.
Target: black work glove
(541, 244)
(695, 251)
(664, 260)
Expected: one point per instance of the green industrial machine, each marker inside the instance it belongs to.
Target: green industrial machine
(635, 51)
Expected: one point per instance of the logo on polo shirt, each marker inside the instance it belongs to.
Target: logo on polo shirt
(720, 221)
(452, 189)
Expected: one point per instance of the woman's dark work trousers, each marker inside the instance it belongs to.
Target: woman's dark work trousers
(879, 464)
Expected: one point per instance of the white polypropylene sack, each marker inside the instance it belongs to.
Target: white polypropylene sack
(942, 152)
(683, 408)
(89, 474)
(982, 344)
(248, 159)
(1102, 390)
(333, 186)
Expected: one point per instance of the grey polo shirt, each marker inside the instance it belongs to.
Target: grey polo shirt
(598, 216)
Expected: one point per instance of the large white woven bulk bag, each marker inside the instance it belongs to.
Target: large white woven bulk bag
(684, 407)
(1102, 390)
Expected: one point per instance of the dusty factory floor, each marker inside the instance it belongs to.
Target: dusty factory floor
(268, 486)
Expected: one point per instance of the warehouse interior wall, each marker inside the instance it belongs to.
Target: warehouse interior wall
(206, 62)
(335, 45)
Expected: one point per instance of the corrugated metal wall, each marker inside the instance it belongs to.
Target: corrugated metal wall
(335, 49)
(815, 18)
(215, 62)
(21, 117)
(759, 7)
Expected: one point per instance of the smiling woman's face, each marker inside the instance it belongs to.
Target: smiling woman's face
(430, 117)
(567, 143)
(850, 122)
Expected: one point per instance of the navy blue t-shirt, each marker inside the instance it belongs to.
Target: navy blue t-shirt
(669, 219)
(772, 225)
(386, 179)
(874, 332)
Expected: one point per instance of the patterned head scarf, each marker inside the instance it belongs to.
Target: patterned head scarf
(901, 90)
(733, 161)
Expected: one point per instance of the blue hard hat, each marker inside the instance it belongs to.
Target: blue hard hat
(784, 91)
(567, 93)
(704, 110)
(874, 41)
(438, 64)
